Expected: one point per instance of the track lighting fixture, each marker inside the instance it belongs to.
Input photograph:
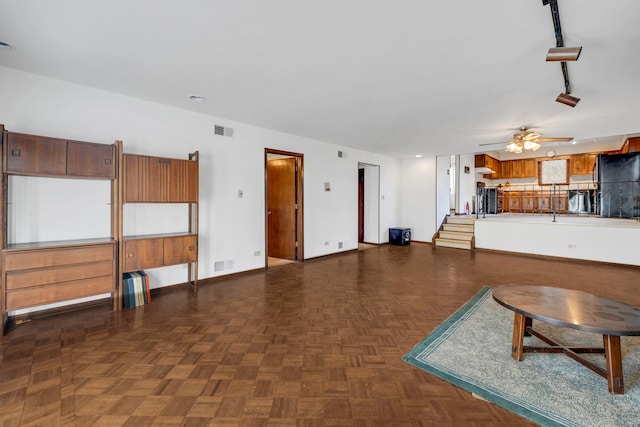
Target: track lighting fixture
(565, 98)
(564, 53)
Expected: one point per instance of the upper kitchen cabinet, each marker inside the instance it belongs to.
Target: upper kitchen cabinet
(486, 161)
(631, 145)
(582, 164)
(525, 168)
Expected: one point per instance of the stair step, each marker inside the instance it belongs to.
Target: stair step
(456, 235)
(458, 227)
(449, 243)
(460, 220)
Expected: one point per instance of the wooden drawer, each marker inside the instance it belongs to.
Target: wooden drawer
(143, 253)
(179, 250)
(38, 258)
(18, 279)
(39, 295)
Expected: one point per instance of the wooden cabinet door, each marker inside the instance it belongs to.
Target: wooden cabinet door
(180, 249)
(516, 169)
(515, 201)
(143, 253)
(85, 159)
(159, 179)
(577, 164)
(136, 178)
(529, 168)
(179, 182)
(31, 154)
(505, 169)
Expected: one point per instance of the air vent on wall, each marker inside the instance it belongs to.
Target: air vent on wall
(223, 131)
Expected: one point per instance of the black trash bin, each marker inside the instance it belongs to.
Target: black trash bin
(399, 236)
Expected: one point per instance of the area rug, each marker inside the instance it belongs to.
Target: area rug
(472, 349)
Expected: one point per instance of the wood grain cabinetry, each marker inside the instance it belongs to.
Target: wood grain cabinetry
(582, 164)
(520, 201)
(150, 179)
(547, 202)
(151, 252)
(43, 156)
(505, 169)
(159, 180)
(40, 273)
(631, 145)
(486, 161)
(44, 275)
(534, 201)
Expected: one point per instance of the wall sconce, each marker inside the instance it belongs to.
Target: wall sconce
(564, 53)
(565, 98)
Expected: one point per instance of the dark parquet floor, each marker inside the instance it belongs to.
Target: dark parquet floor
(311, 344)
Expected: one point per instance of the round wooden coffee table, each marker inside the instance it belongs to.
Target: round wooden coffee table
(571, 309)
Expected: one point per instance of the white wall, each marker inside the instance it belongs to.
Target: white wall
(595, 239)
(466, 182)
(418, 195)
(443, 164)
(231, 228)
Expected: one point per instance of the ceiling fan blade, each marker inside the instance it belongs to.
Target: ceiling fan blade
(567, 139)
(494, 143)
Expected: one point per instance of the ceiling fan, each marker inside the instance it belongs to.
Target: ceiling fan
(526, 139)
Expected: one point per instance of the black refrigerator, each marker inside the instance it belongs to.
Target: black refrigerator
(619, 185)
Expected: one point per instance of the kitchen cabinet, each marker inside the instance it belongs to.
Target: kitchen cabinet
(520, 201)
(631, 145)
(484, 160)
(505, 169)
(524, 168)
(547, 201)
(582, 164)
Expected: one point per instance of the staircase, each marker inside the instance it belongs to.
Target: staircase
(456, 232)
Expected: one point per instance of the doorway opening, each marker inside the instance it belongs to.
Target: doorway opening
(368, 205)
(284, 229)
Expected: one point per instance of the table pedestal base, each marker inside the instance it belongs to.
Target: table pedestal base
(522, 326)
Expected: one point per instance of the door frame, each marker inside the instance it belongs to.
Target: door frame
(371, 208)
(299, 189)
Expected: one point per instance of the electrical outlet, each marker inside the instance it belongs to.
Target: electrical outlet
(326, 243)
(339, 245)
(572, 246)
(256, 253)
(240, 194)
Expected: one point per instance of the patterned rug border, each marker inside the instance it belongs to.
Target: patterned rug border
(488, 393)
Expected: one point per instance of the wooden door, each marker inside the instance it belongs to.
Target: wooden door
(281, 205)
(360, 205)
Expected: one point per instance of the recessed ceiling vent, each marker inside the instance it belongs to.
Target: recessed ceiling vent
(223, 131)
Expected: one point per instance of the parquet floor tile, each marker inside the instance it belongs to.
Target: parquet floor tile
(313, 344)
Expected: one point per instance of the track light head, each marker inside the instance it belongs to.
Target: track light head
(565, 98)
(564, 53)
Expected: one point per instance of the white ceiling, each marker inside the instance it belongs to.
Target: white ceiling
(399, 77)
